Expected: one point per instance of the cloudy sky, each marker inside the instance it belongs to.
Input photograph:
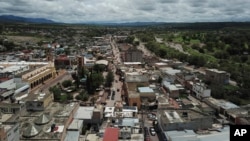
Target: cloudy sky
(78, 11)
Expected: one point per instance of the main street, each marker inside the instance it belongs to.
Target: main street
(116, 84)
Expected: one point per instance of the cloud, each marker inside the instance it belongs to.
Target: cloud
(76, 11)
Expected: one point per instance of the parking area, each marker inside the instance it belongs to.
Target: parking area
(150, 133)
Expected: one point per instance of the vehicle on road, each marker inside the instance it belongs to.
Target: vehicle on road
(152, 116)
(147, 138)
(152, 131)
(146, 133)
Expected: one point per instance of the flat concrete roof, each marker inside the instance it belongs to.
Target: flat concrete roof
(72, 136)
(84, 113)
(109, 109)
(172, 116)
(190, 135)
(5, 117)
(145, 90)
(136, 78)
(222, 103)
(76, 125)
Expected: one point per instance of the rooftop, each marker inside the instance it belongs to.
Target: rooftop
(175, 116)
(84, 113)
(59, 114)
(129, 122)
(75, 124)
(72, 136)
(215, 70)
(189, 135)
(222, 103)
(137, 78)
(111, 134)
(145, 90)
(13, 68)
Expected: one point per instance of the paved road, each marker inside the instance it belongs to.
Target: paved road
(116, 83)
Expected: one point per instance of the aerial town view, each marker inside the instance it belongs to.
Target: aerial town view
(109, 70)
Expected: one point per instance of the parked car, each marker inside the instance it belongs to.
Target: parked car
(146, 131)
(152, 116)
(152, 131)
(147, 138)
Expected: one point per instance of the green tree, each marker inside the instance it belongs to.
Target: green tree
(159, 79)
(130, 39)
(67, 83)
(99, 68)
(94, 80)
(56, 92)
(109, 79)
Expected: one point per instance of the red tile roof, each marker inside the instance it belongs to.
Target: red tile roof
(111, 134)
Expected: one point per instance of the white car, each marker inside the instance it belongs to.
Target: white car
(152, 131)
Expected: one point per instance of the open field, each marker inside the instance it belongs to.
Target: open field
(23, 38)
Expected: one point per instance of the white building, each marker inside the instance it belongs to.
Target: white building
(201, 91)
(8, 131)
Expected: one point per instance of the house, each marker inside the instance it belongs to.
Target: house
(74, 130)
(183, 119)
(111, 134)
(147, 93)
(217, 76)
(89, 115)
(38, 102)
(133, 55)
(172, 89)
(9, 131)
(62, 62)
(221, 106)
(201, 91)
(183, 77)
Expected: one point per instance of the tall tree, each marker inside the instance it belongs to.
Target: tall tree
(94, 80)
(109, 79)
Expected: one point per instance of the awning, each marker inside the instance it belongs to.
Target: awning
(25, 87)
(7, 93)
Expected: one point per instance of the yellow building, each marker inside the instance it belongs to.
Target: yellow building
(39, 75)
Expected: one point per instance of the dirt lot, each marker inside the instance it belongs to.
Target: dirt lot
(23, 39)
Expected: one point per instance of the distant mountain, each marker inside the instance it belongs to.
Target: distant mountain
(11, 18)
(126, 23)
